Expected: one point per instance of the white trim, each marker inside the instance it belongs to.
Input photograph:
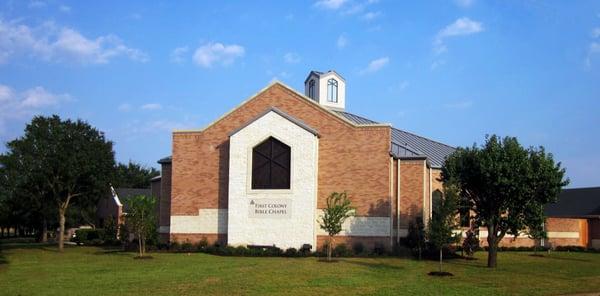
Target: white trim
(398, 205)
(563, 234)
(295, 92)
(425, 220)
(430, 195)
(209, 221)
(390, 200)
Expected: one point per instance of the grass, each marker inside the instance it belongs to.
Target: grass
(40, 270)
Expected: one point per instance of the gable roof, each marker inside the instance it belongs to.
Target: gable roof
(576, 202)
(319, 74)
(123, 194)
(409, 145)
(276, 110)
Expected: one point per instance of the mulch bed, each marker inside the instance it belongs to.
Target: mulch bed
(440, 273)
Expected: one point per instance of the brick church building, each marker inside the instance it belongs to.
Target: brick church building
(260, 174)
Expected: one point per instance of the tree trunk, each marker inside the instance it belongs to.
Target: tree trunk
(440, 260)
(140, 245)
(492, 247)
(329, 248)
(44, 237)
(61, 231)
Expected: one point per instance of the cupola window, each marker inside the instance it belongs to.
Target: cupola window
(311, 89)
(332, 90)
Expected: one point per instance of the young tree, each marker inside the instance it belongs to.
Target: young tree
(337, 211)
(70, 162)
(442, 224)
(140, 219)
(133, 175)
(504, 184)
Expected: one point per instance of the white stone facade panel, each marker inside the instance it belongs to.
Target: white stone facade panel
(207, 221)
(360, 226)
(298, 227)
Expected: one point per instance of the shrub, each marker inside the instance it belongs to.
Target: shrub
(290, 252)
(378, 249)
(241, 251)
(175, 246)
(342, 250)
(202, 244)
(471, 243)
(187, 246)
(89, 236)
(358, 248)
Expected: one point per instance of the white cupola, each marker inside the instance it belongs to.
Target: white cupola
(327, 89)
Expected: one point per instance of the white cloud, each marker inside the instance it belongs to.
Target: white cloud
(217, 53)
(37, 4)
(437, 64)
(151, 106)
(342, 41)
(376, 65)
(19, 105)
(593, 49)
(464, 3)
(330, 4)
(461, 27)
(369, 16)
(125, 107)
(64, 8)
(50, 42)
(596, 32)
(177, 55)
(291, 58)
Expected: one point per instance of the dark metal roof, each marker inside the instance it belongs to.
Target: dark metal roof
(319, 73)
(405, 144)
(167, 159)
(127, 193)
(576, 202)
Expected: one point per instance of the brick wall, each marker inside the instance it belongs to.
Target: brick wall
(346, 154)
(411, 191)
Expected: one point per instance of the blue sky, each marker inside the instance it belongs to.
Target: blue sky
(452, 71)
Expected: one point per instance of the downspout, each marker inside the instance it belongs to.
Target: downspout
(430, 195)
(398, 204)
(425, 220)
(390, 201)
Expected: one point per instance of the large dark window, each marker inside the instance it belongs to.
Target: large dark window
(436, 202)
(271, 165)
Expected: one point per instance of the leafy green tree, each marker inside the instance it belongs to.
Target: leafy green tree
(440, 229)
(140, 219)
(69, 162)
(535, 230)
(133, 175)
(505, 185)
(337, 211)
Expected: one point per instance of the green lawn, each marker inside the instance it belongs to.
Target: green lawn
(41, 270)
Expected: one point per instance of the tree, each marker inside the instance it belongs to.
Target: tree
(133, 175)
(140, 219)
(440, 229)
(505, 185)
(535, 230)
(337, 211)
(70, 162)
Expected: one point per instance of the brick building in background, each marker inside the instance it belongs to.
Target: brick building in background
(260, 174)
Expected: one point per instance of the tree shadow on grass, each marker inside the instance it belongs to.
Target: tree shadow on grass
(375, 265)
